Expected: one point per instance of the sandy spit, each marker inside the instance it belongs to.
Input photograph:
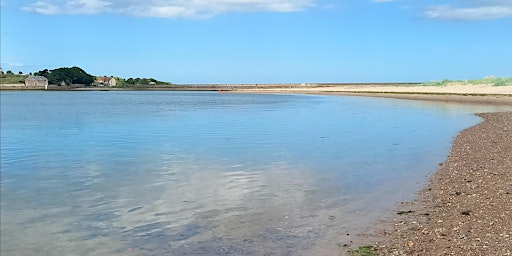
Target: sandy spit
(390, 88)
(482, 94)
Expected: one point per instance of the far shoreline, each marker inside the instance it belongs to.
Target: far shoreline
(479, 94)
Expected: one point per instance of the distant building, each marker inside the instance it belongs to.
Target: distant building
(37, 81)
(105, 80)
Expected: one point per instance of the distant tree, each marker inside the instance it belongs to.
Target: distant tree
(131, 82)
(43, 72)
(9, 72)
(68, 76)
(120, 81)
(20, 73)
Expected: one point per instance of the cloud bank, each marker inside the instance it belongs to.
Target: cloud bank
(166, 8)
(451, 10)
(472, 10)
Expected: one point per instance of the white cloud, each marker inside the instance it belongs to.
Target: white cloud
(167, 8)
(87, 6)
(479, 10)
(42, 8)
(164, 11)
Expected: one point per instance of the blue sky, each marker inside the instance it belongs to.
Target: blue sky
(261, 41)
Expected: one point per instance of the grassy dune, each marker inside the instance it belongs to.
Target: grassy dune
(495, 81)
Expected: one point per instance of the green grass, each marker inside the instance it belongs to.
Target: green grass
(366, 250)
(12, 79)
(495, 81)
(503, 81)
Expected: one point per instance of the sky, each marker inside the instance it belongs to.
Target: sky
(261, 41)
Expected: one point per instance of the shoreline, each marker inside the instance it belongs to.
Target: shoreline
(492, 99)
(465, 209)
(479, 94)
(465, 206)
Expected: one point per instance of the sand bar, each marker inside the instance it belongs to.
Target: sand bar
(482, 94)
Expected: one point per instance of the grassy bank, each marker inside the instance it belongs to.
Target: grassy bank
(12, 79)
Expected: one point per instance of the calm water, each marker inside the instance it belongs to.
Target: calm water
(175, 173)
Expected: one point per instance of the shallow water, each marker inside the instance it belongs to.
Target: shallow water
(186, 173)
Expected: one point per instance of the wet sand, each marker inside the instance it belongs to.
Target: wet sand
(466, 207)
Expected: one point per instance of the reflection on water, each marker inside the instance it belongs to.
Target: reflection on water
(166, 173)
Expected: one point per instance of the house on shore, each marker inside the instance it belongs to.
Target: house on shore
(36, 81)
(106, 81)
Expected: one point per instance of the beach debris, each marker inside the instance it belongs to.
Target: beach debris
(410, 243)
(467, 213)
(404, 212)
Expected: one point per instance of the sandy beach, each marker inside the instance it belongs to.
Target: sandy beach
(465, 209)
(483, 93)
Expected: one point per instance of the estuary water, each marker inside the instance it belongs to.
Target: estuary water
(200, 173)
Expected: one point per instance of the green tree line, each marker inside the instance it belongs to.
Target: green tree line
(67, 76)
(76, 75)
